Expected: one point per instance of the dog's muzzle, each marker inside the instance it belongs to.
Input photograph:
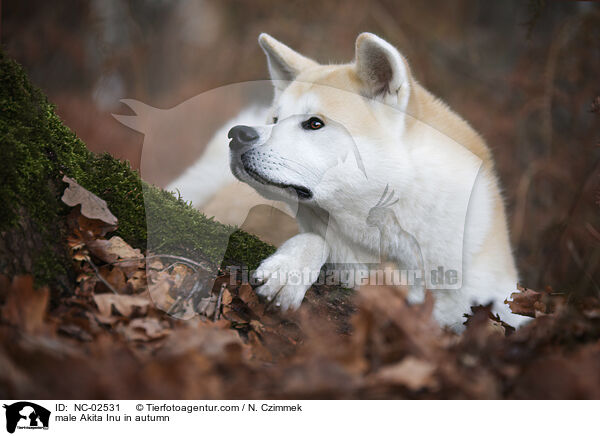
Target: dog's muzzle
(251, 164)
(242, 136)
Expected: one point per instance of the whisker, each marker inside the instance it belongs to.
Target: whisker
(312, 171)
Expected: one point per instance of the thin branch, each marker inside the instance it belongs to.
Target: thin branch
(102, 279)
(219, 301)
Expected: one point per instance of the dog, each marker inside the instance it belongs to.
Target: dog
(376, 170)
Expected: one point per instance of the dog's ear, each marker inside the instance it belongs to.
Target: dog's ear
(284, 63)
(382, 69)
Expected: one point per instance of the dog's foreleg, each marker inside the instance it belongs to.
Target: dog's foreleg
(295, 266)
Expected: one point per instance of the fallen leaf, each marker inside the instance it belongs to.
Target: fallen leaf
(75, 331)
(115, 277)
(179, 273)
(92, 206)
(412, 372)
(87, 229)
(488, 321)
(126, 305)
(156, 264)
(207, 306)
(227, 298)
(209, 339)
(80, 256)
(109, 320)
(529, 302)
(146, 329)
(158, 288)
(258, 350)
(247, 294)
(114, 249)
(526, 302)
(137, 282)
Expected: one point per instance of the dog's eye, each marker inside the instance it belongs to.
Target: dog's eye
(275, 119)
(313, 123)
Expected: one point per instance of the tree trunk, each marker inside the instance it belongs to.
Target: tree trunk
(37, 150)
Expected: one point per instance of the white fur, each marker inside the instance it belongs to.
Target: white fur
(383, 132)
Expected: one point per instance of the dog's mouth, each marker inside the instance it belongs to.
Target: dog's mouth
(302, 192)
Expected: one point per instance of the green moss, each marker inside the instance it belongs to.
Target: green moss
(175, 227)
(37, 149)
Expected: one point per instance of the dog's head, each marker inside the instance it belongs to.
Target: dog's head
(322, 117)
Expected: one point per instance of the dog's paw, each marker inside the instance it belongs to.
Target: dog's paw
(287, 275)
(284, 284)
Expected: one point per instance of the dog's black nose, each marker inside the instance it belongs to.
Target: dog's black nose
(241, 136)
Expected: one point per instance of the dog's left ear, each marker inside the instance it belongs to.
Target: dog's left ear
(284, 63)
(382, 69)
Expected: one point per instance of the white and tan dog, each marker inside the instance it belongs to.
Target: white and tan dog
(374, 166)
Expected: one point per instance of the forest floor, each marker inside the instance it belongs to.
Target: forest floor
(131, 330)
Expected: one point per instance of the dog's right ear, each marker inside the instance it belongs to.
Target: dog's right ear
(284, 63)
(383, 70)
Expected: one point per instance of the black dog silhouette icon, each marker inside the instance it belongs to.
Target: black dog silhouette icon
(27, 415)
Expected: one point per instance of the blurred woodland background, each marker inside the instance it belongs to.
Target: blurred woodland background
(524, 74)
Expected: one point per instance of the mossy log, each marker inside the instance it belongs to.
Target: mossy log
(37, 149)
